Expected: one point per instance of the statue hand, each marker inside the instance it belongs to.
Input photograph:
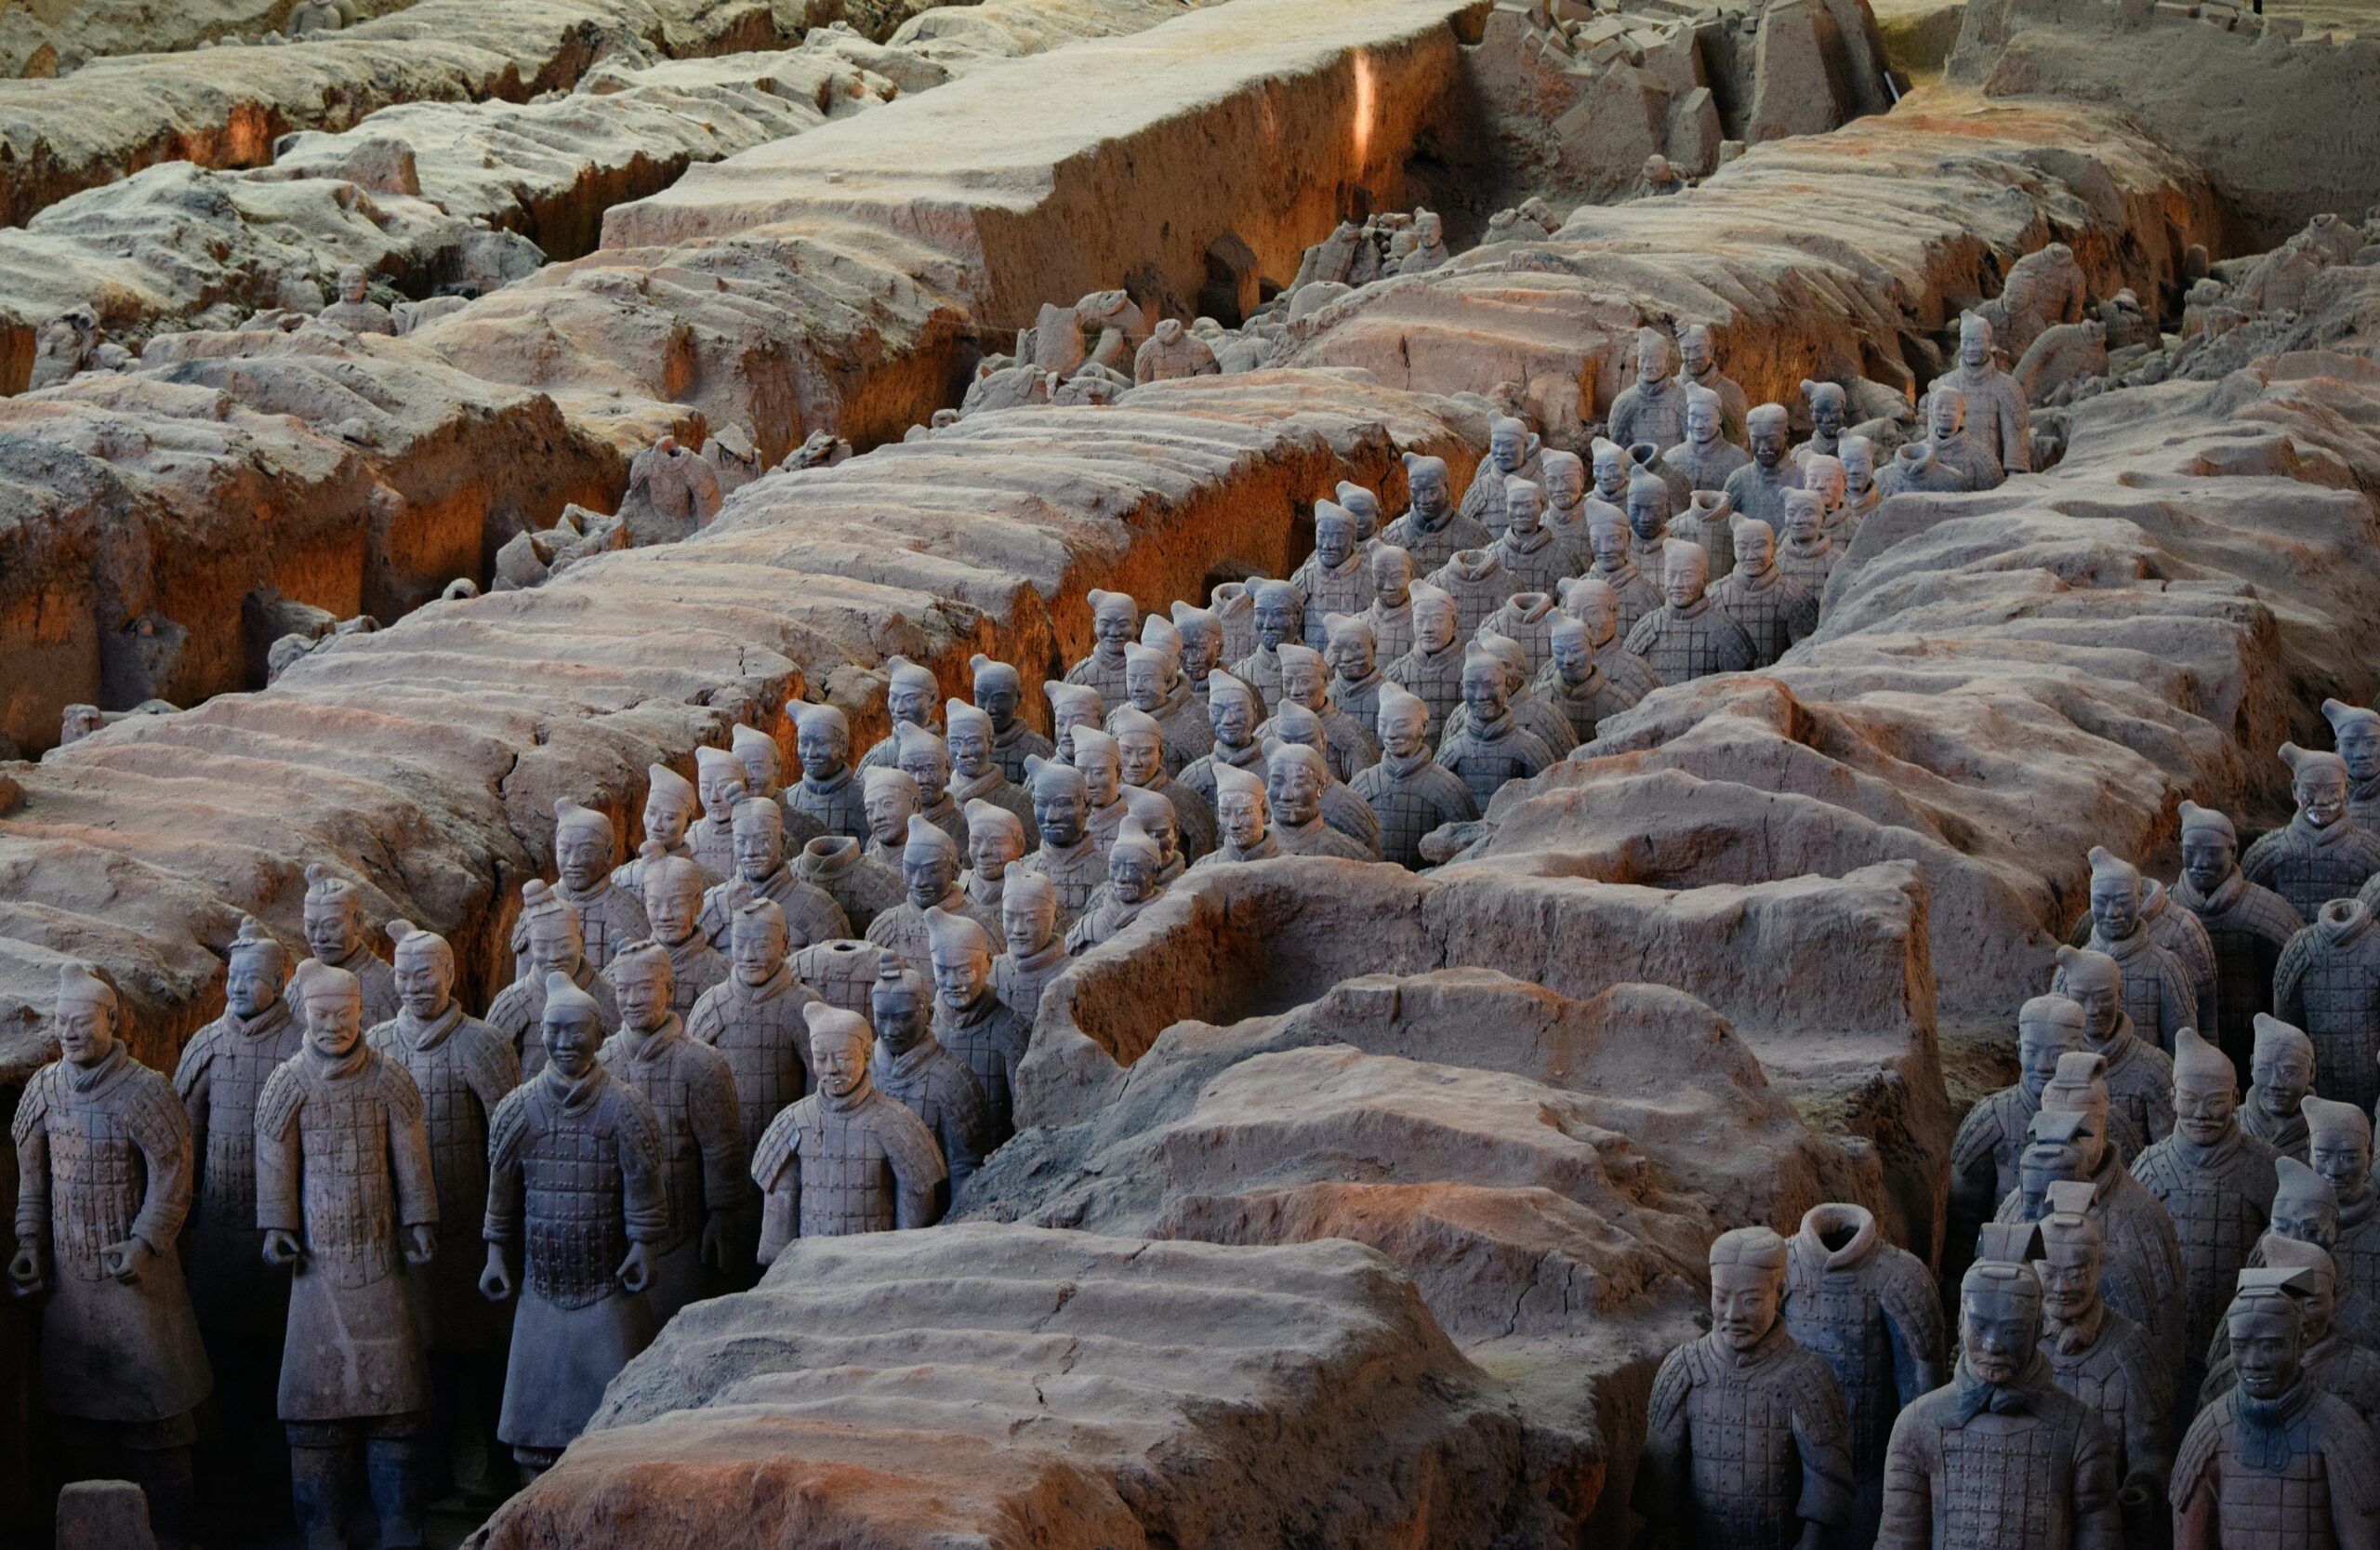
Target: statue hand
(495, 1282)
(27, 1272)
(281, 1247)
(125, 1261)
(421, 1242)
(714, 1249)
(636, 1271)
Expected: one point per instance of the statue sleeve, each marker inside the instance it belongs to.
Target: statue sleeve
(917, 1163)
(718, 1131)
(160, 1127)
(279, 1170)
(1914, 1315)
(1822, 1432)
(190, 1084)
(1661, 1473)
(492, 1067)
(32, 1137)
(776, 1168)
(1908, 1521)
(2289, 983)
(408, 1149)
(966, 1129)
(504, 1187)
(2197, 1486)
(645, 1203)
(2098, 1521)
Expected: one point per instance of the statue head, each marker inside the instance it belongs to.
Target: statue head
(1684, 569)
(968, 739)
(2314, 1282)
(1823, 477)
(2115, 895)
(1565, 478)
(1364, 507)
(673, 893)
(1765, 432)
(332, 1003)
(961, 956)
(2092, 981)
(1303, 676)
(571, 1028)
(2358, 734)
(1279, 612)
(2267, 1326)
(924, 758)
(2281, 1066)
(1592, 601)
(2338, 1141)
(1804, 518)
(998, 690)
(757, 940)
(1425, 477)
(2047, 1027)
(1029, 911)
(909, 693)
(1693, 348)
(1392, 576)
(1428, 231)
(2079, 1088)
(641, 979)
(424, 970)
(1403, 721)
(1114, 616)
(2206, 1091)
(838, 1048)
(1946, 412)
(1653, 349)
(1857, 455)
(1241, 811)
(2000, 1306)
(555, 940)
(1612, 468)
(1295, 778)
(669, 806)
(1071, 705)
(350, 282)
(1334, 533)
(1483, 692)
(929, 862)
(1828, 407)
(1061, 801)
(1648, 506)
(1139, 746)
(1507, 444)
(1102, 764)
(1232, 709)
(1436, 617)
(258, 965)
(1573, 655)
(1705, 417)
(584, 846)
(1523, 507)
(1974, 340)
(1154, 812)
(1201, 632)
(2305, 1203)
(1132, 862)
(822, 740)
(86, 1017)
(721, 781)
(1354, 651)
(2071, 1254)
(1149, 672)
(995, 838)
(763, 761)
(1747, 1286)
(2210, 848)
(2319, 781)
(333, 914)
(1756, 545)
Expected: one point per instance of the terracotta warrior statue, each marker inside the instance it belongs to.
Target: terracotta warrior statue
(2281, 1073)
(1490, 747)
(673, 902)
(463, 1068)
(672, 493)
(346, 1200)
(553, 945)
(1808, 555)
(2001, 1455)
(1634, 595)
(1170, 351)
(1114, 616)
(1364, 506)
(1592, 601)
(1513, 451)
(1340, 808)
(2139, 1075)
(692, 1091)
(2328, 983)
(1432, 668)
(1037, 949)
(976, 775)
(1100, 763)
(1278, 621)
(2214, 1181)
(609, 913)
(1336, 579)
(1705, 457)
(911, 1068)
(2157, 990)
(1997, 416)
(1653, 409)
(1765, 603)
(2275, 1463)
(846, 1159)
(1861, 494)
(1573, 684)
(999, 694)
(1699, 368)
(2103, 1359)
(1139, 747)
(1234, 606)
(995, 842)
(754, 1018)
(1829, 407)
(1069, 856)
(1305, 681)
(1133, 861)
(1409, 789)
(104, 1167)
(1991, 1137)
(1689, 637)
(845, 975)
(1869, 1310)
(889, 799)
(337, 935)
(1353, 656)
(1757, 488)
(1746, 1443)
(1072, 705)
(2306, 1208)
(1566, 507)
(1391, 611)
(1233, 716)
(2338, 1141)
(353, 310)
(669, 808)
(1432, 531)
(1160, 820)
(575, 1186)
(720, 782)
(762, 871)
(2331, 1362)
(2247, 925)
(840, 869)
(1946, 429)
(930, 877)
(1648, 506)
(910, 695)
(1243, 821)
(1156, 688)
(2356, 731)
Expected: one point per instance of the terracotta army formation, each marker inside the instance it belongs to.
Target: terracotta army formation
(352, 311)
(754, 1018)
(1748, 1440)
(1491, 748)
(846, 1159)
(761, 871)
(105, 1164)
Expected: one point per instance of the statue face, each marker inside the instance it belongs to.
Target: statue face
(960, 977)
(1693, 349)
(1392, 577)
(909, 704)
(1826, 416)
(2360, 746)
(351, 285)
(1611, 474)
(839, 1060)
(642, 985)
(1523, 514)
(760, 767)
(1062, 721)
(334, 928)
(997, 700)
(1997, 1331)
(1565, 481)
(1027, 924)
(1649, 514)
(332, 1025)
(1573, 658)
(1975, 348)
(1353, 656)
(1767, 443)
(758, 850)
(555, 943)
(1143, 755)
(1504, 448)
(86, 1031)
(1334, 542)
(1293, 792)
(2308, 1220)
(665, 817)
(2070, 1278)
(570, 1044)
(2341, 1162)
(2037, 1049)
(1200, 646)
(1131, 876)
(2321, 797)
(1858, 467)
(2207, 859)
(2115, 906)
(990, 849)
(1303, 682)
(2203, 1109)
(2265, 1349)
(1403, 730)
(1434, 626)
(925, 872)
(1427, 231)
(672, 902)
(1145, 686)
(1240, 815)
(1102, 775)
(888, 809)
(1702, 422)
(425, 982)
(2281, 1083)
(970, 750)
(1276, 620)
(1947, 415)
(1682, 584)
(929, 769)
(1826, 481)
(1230, 718)
(2100, 994)
(900, 1021)
(1112, 627)
(250, 986)
(1803, 519)
(1165, 830)
(720, 790)
(1429, 494)
(1755, 549)
(757, 945)
(1060, 815)
(1483, 692)
(1743, 1304)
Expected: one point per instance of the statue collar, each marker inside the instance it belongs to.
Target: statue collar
(575, 1095)
(966, 788)
(780, 980)
(1618, 575)
(1263, 850)
(2226, 894)
(1811, 1241)
(1402, 767)
(1767, 1346)
(2204, 1157)
(983, 891)
(829, 787)
(267, 1022)
(861, 1094)
(1053, 951)
(650, 1044)
(2266, 1425)
(329, 1069)
(1694, 610)
(427, 1036)
(87, 1079)
(909, 1061)
(2346, 927)
(1971, 1395)
(2075, 1337)
(1529, 545)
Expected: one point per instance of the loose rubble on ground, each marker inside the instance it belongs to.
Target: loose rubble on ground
(1114, 773)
